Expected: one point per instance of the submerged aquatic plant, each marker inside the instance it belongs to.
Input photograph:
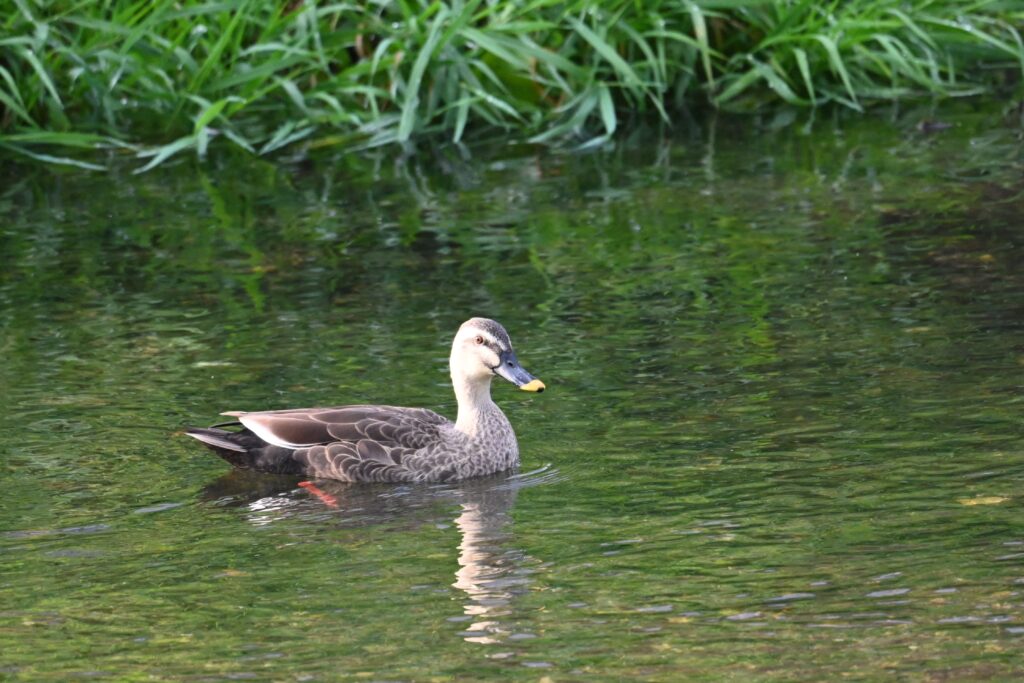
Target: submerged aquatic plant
(162, 78)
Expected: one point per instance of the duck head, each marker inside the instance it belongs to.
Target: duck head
(481, 350)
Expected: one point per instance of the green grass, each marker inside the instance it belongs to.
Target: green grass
(162, 78)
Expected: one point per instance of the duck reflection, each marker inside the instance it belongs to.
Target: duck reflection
(490, 572)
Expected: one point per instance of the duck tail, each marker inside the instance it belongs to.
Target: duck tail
(216, 438)
(234, 447)
(244, 449)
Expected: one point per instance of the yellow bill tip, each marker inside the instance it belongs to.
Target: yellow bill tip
(534, 385)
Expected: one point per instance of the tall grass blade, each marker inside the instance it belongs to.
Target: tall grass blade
(805, 73)
(50, 159)
(608, 53)
(29, 56)
(211, 110)
(607, 109)
(63, 139)
(13, 100)
(461, 116)
(700, 33)
(165, 152)
(737, 86)
(214, 57)
(412, 98)
(836, 61)
(288, 133)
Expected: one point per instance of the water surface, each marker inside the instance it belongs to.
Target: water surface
(782, 438)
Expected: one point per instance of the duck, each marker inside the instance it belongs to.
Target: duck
(382, 443)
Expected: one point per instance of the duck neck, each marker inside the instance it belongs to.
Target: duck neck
(474, 397)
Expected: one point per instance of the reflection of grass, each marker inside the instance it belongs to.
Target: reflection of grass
(173, 77)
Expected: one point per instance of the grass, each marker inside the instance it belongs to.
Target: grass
(163, 78)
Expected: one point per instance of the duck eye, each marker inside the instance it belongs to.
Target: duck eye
(479, 339)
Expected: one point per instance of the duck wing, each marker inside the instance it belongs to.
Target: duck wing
(355, 443)
(388, 426)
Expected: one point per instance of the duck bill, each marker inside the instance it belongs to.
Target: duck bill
(510, 369)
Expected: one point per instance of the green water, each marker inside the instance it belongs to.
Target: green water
(782, 438)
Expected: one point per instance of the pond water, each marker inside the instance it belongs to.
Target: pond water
(783, 437)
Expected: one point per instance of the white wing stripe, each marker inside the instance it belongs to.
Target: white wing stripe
(264, 432)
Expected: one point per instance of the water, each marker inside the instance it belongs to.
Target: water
(782, 438)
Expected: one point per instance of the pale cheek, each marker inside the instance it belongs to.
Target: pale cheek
(477, 365)
(479, 360)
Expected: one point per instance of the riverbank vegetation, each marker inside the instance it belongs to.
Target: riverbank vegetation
(158, 79)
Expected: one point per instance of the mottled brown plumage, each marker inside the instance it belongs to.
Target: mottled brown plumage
(389, 443)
